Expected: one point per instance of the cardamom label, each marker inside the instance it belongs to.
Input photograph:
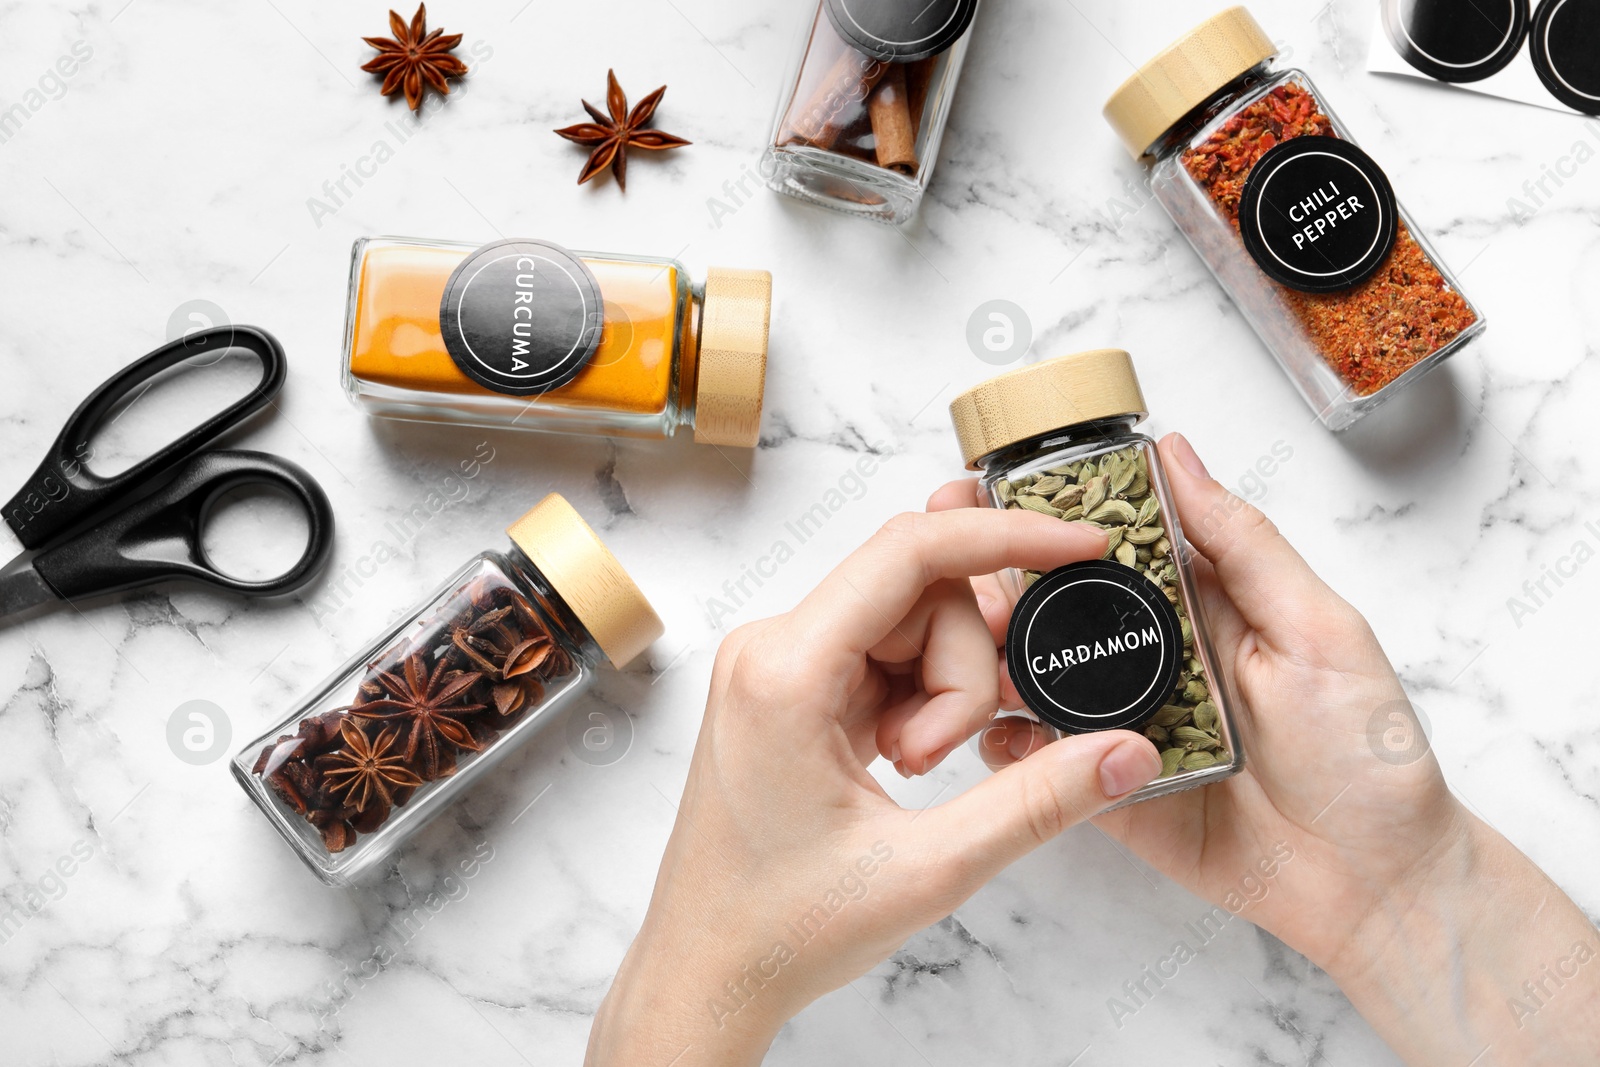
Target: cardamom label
(521, 316)
(1094, 646)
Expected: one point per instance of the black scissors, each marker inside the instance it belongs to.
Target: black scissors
(96, 534)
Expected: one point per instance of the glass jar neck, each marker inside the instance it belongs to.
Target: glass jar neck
(564, 625)
(688, 355)
(1098, 432)
(1180, 133)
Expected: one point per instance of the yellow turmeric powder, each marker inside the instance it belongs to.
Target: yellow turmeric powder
(642, 378)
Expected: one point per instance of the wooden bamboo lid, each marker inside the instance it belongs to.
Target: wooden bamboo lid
(1184, 76)
(1043, 398)
(582, 570)
(732, 376)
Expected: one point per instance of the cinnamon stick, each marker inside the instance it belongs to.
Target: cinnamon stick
(829, 109)
(893, 127)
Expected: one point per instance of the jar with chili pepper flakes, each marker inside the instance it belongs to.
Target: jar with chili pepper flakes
(1300, 226)
(419, 715)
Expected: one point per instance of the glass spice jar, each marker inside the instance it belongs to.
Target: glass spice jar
(419, 715)
(1117, 643)
(858, 126)
(525, 335)
(1299, 225)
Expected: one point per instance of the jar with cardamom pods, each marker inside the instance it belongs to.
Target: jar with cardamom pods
(1295, 220)
(865, 104)
(428, 707)
(1114, 643)
(526, 335)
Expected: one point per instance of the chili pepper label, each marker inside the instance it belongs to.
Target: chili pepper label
(1094, 646)
(901, 30)
(1317, 214)
(521, 317)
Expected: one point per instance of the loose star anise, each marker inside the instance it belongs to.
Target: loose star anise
(426, 705)
(414, 58)
(612, 136)
(368, 771)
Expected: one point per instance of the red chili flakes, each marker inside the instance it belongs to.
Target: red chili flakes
(1371, 333)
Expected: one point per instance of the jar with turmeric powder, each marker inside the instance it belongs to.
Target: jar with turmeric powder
(525, 335)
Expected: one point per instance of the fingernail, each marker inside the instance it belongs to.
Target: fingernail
(900, 768)
(1022, 743)
(985, 603)
(894, 752)
(1127, 767)
(1187, 456)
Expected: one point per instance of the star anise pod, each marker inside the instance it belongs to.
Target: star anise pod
(426, 706)
(612, 135)
(367, 771)
(414, 58)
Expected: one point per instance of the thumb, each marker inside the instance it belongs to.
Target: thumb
(1026, 804)
(1273, 587)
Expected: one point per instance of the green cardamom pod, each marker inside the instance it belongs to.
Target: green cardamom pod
(1192, 737)
(1171, 760)
(1146, 535)
(1123, 477)
(1049, 485)
(1170, 715)
(1033, 503)
(1205, 715)
(1094, 493)
(1125, 554)
(1068, 496)
(1112, 511)
(1196, 761)
(1156, 734)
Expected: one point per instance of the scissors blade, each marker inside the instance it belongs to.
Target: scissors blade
(24, 589)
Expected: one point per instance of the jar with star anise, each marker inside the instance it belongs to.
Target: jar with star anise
(864, 106)
(406, 726)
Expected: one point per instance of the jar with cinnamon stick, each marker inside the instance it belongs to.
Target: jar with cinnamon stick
(526, 335)
(1300, 226)
(859, 122)
(405, 727)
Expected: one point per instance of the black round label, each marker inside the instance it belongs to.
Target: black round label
(901, 30)
(521, 317)
(1094, 646)
(1456, 40)
(1317, 214)
(1566, 52)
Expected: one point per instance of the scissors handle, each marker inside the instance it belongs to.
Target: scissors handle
(158, 538)
(64, 491)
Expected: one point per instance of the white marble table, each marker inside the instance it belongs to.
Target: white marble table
(178, 163)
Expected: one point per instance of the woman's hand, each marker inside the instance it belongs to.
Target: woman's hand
(1429, 920)
(790, 871)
